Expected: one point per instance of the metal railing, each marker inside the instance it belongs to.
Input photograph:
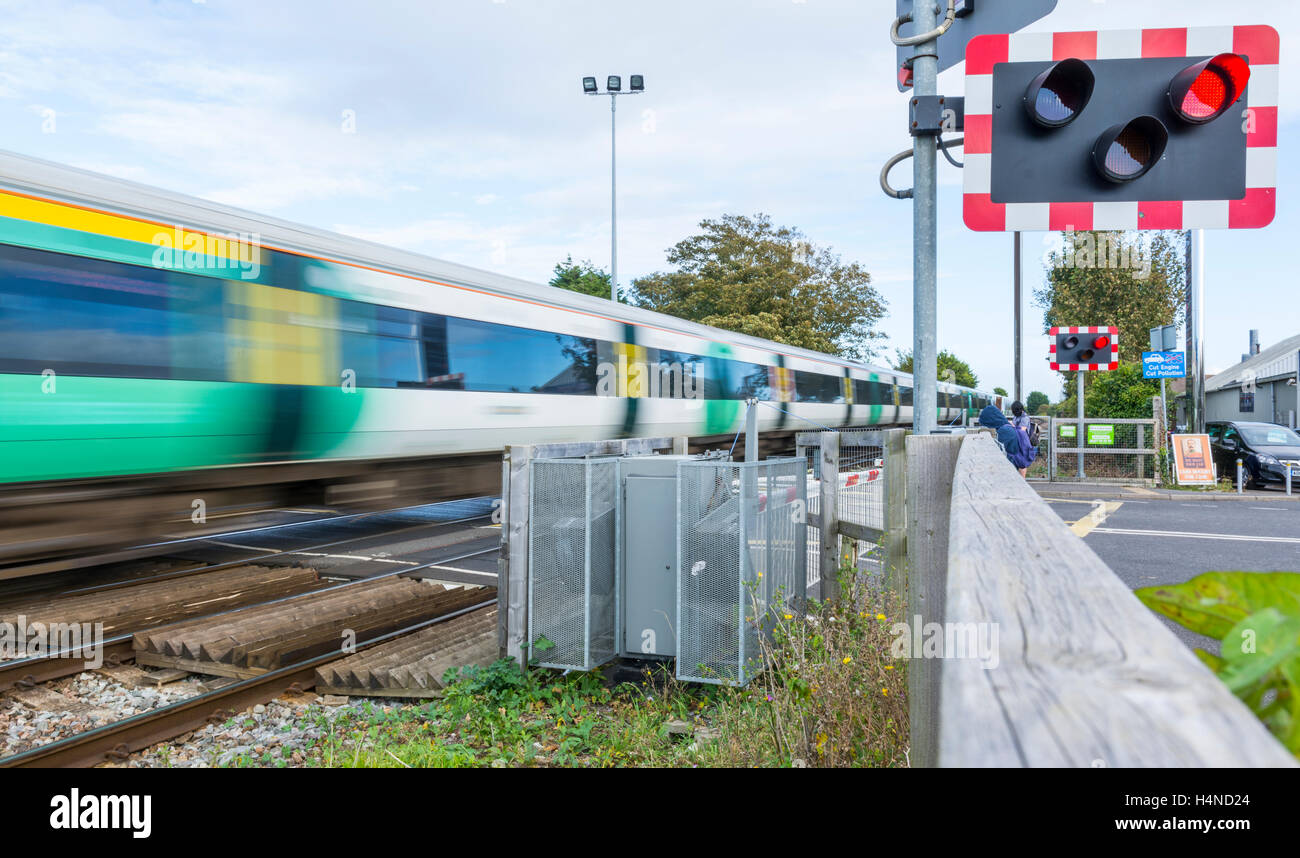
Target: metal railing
(861, 508)
(1103, 449)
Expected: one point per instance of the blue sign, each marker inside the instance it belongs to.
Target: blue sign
(1163, 365)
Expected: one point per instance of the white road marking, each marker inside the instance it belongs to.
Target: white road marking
(1185, 535)
(1100, 511)
(359, 557)
(1271, 508)
(237, 545)
(466, 571)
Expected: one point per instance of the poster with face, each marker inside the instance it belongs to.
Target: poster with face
(1192, 463)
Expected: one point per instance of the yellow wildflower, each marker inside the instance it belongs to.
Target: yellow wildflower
(847, 659)
(884, 691)
(880, 617)
(889, 667)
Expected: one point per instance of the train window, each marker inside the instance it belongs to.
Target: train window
(490, 357)
(398, 361)
(680, 375)
(872, 392)
(88, 317)
(904, 394)
(815, 387)
(749, 380)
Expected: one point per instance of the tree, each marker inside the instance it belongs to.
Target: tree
(1121, 393)
(1115, 278)
(952, 369)
(745, 275)
(1036, 402)
(582, 277)
(1001, 391)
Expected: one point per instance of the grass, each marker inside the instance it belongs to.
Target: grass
(831, 695)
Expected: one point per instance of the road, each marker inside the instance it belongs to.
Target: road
(1158, 541)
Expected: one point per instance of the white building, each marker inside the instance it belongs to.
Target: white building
(1261, 388)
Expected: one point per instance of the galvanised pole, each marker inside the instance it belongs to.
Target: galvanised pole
(613, 201)
(925, 369)
(1196, 425)
(1079, 438)
(1016, 298)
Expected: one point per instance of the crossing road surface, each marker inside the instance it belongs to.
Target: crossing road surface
(1149, 542)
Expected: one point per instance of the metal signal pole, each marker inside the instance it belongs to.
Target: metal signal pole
(1018, 397)
(925, 365)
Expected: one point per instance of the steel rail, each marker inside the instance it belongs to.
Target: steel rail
(27, 672)
(143, 551)
(119, 739)
(282, 552)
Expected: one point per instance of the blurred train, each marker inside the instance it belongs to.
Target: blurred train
(158, 350)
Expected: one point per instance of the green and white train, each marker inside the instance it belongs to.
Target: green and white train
(151, 342)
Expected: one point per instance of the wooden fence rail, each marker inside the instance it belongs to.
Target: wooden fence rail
(1084, 674)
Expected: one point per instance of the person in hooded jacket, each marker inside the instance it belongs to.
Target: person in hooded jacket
(1013, 440)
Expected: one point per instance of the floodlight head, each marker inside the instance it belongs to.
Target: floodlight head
(589, 85)
(614, 84)
(638, 83)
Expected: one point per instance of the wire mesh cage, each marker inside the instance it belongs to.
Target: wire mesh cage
(571, 562)
(741, 554)
(1104, 449)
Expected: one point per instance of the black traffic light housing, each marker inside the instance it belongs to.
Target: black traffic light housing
(1119, 130)
(1088, 348)
(1059, 93)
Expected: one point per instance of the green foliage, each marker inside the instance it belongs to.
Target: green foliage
(1257, 617)
(743, 274)
(583, 277)
(1036, 402)
(1000, 391)
(1095, 287)
(1119, 393)
(832, 695)
(952, 369)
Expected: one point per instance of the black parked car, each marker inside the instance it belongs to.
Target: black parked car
(1266, 450)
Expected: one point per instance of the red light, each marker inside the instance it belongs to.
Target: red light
(1101, 342)
(1202, 92)
(1206, 96)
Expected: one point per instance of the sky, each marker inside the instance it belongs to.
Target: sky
(458, 129)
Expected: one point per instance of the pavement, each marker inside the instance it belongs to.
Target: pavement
(1113, 491)
(1150, 537)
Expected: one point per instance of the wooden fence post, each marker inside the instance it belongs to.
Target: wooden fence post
(828, 515)
(931, 461)
(895, 521)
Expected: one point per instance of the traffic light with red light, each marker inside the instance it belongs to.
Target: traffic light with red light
(1093, 349)
(1135, 129)
(1201, 92)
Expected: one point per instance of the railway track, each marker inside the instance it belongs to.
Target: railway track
(42, 668)
(371, 524)
(118, 740)
(190, 594)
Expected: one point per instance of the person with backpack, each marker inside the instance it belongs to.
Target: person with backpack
(1020, 420)
(1013, 441)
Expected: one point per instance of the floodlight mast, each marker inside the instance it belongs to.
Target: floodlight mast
(613, 88)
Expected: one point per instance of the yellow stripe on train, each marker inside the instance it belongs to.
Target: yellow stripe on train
(236, 248)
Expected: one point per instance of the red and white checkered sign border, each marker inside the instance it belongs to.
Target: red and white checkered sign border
(1090, 367)
(1259, 43)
